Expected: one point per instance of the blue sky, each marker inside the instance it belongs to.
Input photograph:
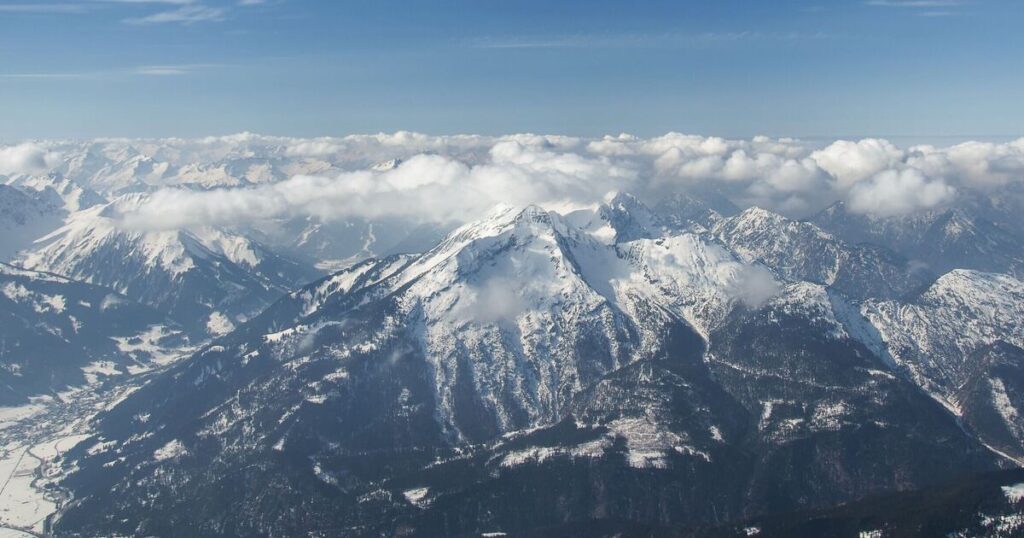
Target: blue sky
(916, 69)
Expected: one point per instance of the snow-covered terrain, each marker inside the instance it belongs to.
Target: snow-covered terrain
(197, 276)
(349, 334)
(529, 340)
(57, 333)
(24, 216)
(34, 438)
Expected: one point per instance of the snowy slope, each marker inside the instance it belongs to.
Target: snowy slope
(207, 279)
(520, 360)
(620, 218)
(71, 194)
(967, 236)
(56, 333)
(961, 340)
(802, 251)
(934, 335)
(521, 272)
(992, 400)
(24, 216)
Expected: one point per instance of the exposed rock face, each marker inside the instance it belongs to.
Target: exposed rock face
(521, 374)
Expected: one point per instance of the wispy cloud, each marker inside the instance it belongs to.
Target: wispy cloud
(922, 8)
(173, 2)
(170, 70)
(186, 14)
(40, 7)
(168, 11)
(161, 71)
(921, 4)
(81, 6)
(44, 76)
(638, 40)
(143, 71)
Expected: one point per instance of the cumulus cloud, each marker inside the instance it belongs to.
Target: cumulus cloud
(25, 159)
(895, 192)
(453, 178)
(754, 285)
(852, 162)
(979, 164)
(425, 187)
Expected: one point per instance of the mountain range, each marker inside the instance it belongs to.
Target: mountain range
(526, 372)
(673, 365)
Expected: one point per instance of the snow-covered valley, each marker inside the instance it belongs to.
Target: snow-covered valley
(34, 438)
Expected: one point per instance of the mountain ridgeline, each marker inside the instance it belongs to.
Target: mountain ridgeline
(621, 369)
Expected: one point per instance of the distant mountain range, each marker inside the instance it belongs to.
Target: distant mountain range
(671, 365)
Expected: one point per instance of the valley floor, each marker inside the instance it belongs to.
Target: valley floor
(33, 437)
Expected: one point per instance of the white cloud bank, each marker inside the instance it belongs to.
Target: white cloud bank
(444, 178)
(424, 187)
(898, 192)
(26, 158)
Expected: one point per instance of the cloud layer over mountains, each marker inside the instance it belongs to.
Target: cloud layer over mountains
(25, 159)
(442, 178)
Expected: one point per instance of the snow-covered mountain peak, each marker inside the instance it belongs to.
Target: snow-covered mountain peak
(622, 217)
(533, 260)
(757, 216)
(72, 195)
(26, 214)
(192, 274)
(760, 235)
(630, 218)
(800, 250)
(623, 200)
(684, 212)
(963, 311)
(522, 247)
(90, 230)
(756, 220)
(970, 286)
(526, 308)
(756, 231)
(496, 221)
(697, 279)
(123, 204)
(536, 214)
(389, 164)
(503, 220)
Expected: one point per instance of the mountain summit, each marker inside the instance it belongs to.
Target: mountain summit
(523, 373)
